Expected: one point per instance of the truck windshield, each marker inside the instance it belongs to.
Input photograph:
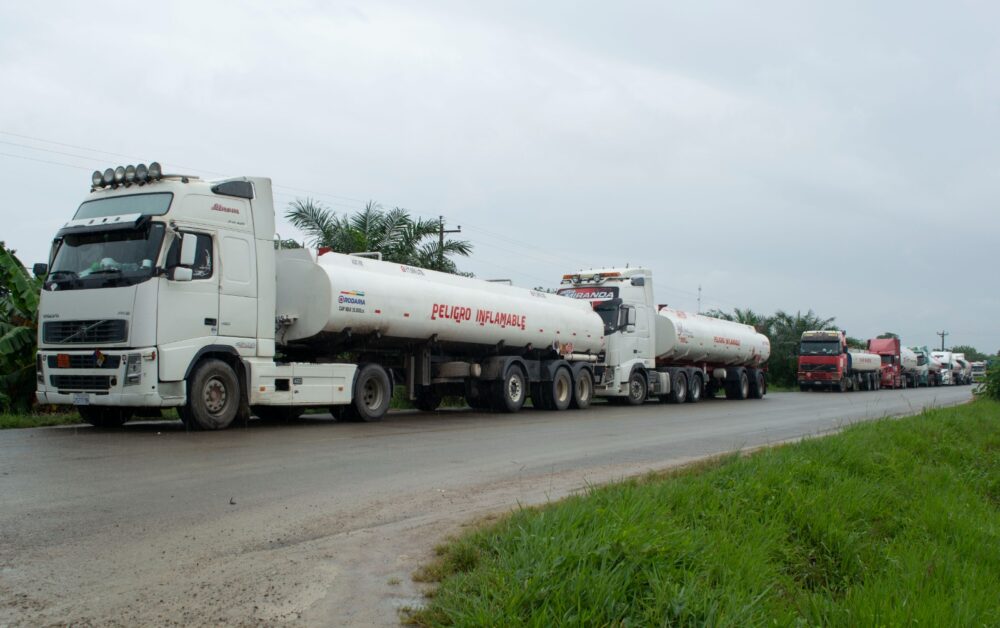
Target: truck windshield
(608, 311)
(886, 359)
(105, 258)
(831, 347)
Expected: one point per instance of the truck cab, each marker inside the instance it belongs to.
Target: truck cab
(623, 298)
(159, 293)
(823, 361)
(892, 367)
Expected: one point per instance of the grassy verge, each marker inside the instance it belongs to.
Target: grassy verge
(888, 523)
(9, 421)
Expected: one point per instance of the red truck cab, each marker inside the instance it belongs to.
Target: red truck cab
(892, 368)
(823, 361)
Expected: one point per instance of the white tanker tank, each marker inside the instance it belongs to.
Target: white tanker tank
(907, 360)
(685, 338)
(864, 362)
(396, 304)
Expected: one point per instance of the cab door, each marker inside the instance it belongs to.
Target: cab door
(189, 310)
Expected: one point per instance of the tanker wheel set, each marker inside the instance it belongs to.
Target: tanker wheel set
(166, 291)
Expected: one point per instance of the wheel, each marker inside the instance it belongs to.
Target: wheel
(695, 388)
(213, 396)
(739, 386)
(105, 416)
(510, 395)
(636, 389)
(758, 387)
(559, 392)
(583, 389)
(277, 414)
(679, 389)
(427, 400)
(372, 394)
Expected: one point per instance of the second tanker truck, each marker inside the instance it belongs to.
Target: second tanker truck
(166, 291)
(826, 362)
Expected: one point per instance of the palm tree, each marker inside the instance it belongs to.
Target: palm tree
(393, 233)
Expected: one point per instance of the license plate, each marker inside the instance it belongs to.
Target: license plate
(81, 399)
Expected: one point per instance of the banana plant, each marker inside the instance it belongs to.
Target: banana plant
(18, 332)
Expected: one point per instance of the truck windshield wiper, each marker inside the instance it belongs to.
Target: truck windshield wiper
(106, 271)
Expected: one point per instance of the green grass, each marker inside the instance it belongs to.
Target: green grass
(9, 421)
(895, 522)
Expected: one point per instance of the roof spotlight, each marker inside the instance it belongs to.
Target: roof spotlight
(141, 173)
(120, 174)
(97, 179)
(155, 171)
(109, 176)
(129, 173)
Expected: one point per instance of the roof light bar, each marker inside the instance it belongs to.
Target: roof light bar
(126, 175)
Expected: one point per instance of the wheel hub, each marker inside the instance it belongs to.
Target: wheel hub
(215, 396)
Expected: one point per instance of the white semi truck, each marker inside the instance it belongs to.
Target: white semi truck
(167, 291)
(662, 352)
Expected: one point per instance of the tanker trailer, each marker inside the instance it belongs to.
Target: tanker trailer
(910, 367)
(729, 353)
(948, 364)
(659, 352)
(964, 369)
(437, 333)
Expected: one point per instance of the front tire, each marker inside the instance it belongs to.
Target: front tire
(105, 416)
(213, 396)
(636, 389)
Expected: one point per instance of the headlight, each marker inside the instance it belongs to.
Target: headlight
(133, 372)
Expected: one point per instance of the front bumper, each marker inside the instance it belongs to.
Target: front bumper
(104, 378)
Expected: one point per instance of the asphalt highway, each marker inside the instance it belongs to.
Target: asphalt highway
(323, 523)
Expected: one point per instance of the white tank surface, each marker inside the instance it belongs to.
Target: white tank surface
(907, 359)
(685, 338)
(865, 362)
(339, 292)
(933, 365)
(945, 359)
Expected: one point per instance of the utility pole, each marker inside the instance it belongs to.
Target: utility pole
(441, 232)
(942, 333)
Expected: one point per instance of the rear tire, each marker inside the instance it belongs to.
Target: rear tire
(510, 395)
(679, 389)
(372, 394)
(105, 416)
(213, 396)
(559, 392)
(583, 389)
(695, 388)
(738, 387)
(758, 387)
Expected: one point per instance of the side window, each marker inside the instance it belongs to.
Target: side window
(202, 268)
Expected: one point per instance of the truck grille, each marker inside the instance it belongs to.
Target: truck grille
(88, 361)
(818, 368)
(80, 382)
(84, 332)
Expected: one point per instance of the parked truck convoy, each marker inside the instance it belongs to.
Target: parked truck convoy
(826, 362)
(928, 368)
(899, 364)
(167, 291)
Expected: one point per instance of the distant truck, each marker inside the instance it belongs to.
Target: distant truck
(656, 352)
(928, 369)
(826, 362)
(978, 371)
(899, 364)
(964, 369)
(948, 367)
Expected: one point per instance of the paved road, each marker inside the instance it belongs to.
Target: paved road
(322, 523)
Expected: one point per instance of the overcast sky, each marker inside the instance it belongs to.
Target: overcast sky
(843, 157)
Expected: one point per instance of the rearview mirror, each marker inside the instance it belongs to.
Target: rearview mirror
(189, 249)
(40, 270)
(179, 273)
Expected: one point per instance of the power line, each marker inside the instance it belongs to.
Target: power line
(942, 333)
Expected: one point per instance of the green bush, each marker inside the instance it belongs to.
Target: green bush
(990, 387)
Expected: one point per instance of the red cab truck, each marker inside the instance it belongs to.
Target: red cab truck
(899, 364)
(825, 362)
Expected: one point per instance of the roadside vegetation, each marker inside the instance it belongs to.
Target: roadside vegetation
(894, 522)
(9, 421)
